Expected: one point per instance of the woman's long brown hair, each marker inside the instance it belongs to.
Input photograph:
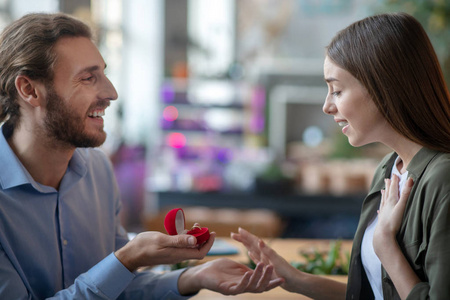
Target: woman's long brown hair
(392, 56)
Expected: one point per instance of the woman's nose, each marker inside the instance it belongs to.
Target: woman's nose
(329, 107)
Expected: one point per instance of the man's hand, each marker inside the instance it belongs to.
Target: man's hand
(154, 248)
(228, 277)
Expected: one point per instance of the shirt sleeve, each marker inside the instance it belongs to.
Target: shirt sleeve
(109, 279)
(11, 284)
(149, 285)
(106, 280)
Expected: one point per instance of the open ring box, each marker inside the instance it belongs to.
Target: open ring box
(174, 223)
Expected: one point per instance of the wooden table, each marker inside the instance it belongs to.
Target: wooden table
(290, 250)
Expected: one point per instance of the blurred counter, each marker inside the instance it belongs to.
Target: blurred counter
(290, 205)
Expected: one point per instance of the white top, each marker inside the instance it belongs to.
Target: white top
(370, 261)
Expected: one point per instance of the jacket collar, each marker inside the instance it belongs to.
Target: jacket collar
(415, 168)
(420, 161)
(386, 165)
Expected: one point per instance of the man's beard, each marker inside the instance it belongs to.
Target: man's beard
(66, 128)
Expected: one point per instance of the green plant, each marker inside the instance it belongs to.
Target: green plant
(273, 172)
(180, 265)
(333, 262)
(322, 263)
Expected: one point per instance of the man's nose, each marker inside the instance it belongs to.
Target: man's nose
(108, 90)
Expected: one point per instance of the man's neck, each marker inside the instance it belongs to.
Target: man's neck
(43, 159)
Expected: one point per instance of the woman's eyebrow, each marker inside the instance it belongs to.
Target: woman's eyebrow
(330, 79)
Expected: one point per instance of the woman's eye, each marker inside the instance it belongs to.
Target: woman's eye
(336, 94)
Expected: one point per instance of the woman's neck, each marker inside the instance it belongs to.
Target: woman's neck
(406, 150)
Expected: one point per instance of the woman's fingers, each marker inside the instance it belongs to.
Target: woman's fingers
(390, 195)
(407, 188)
(405, 192)
(256, 258)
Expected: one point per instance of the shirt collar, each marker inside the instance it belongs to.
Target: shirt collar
(17, 174)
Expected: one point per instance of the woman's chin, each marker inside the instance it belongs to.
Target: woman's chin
(357, 142)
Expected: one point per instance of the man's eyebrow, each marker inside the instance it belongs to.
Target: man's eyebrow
(90, 69)
(330, 79)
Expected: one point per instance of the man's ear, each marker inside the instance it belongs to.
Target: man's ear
(28, 90)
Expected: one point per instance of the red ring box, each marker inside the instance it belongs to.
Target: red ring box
(174, 223)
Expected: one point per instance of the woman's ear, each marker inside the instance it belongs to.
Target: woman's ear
(28, 90)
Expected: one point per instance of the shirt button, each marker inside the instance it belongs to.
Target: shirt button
(65, 242)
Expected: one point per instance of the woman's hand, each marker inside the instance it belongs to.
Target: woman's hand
(259, 252)
(153, 248)
(390, 214)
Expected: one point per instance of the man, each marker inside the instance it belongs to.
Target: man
(60, 234)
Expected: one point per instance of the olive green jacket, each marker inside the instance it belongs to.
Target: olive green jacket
(424, 235)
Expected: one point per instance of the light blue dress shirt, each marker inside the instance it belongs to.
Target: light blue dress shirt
(60, 243)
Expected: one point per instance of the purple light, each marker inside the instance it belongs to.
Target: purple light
(259, 98)
(167, 93)
(224, 155)
(257, 121)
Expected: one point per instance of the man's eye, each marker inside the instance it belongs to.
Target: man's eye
(88, 78)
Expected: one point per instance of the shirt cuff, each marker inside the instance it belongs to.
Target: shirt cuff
(110, 276)
(169, 284)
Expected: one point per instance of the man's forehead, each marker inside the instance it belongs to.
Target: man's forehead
(78, 53)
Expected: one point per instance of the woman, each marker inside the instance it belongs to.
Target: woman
(385, 85)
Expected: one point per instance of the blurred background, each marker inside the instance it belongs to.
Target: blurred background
(220, 109)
